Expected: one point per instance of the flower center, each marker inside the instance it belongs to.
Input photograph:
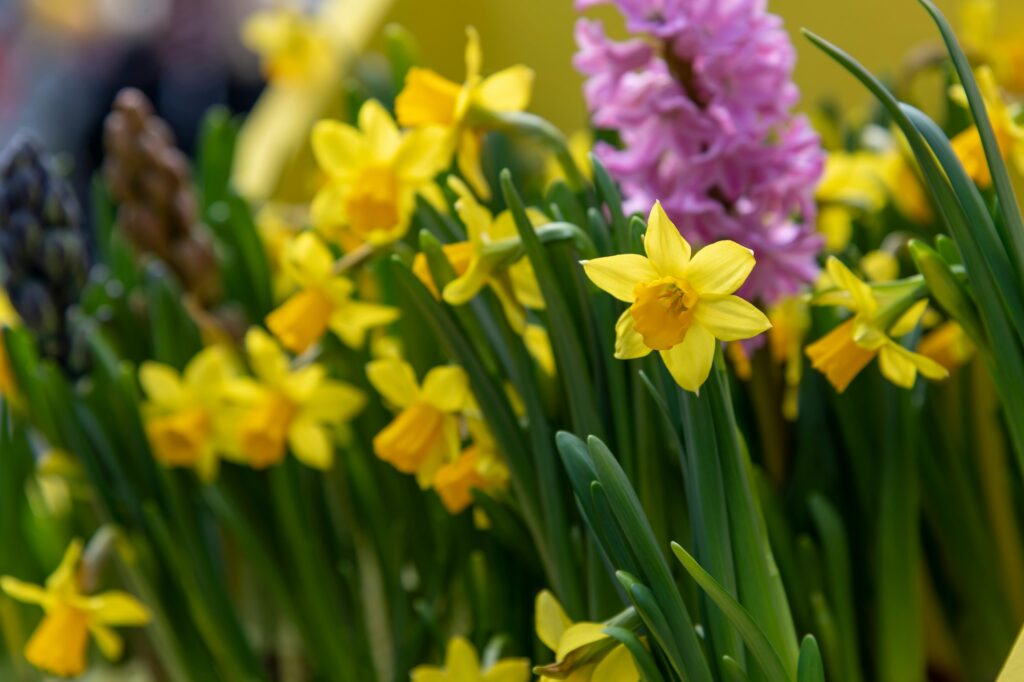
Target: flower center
(663, 312)
(264, 429)
(179, 439)
(59, 643)
(372, 202)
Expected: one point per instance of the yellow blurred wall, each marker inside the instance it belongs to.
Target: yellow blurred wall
(539, 33)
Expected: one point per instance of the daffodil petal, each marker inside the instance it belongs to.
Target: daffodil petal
(506, 90)
(668, 252)
(161, 383)
(909, 320)
(327, 212)
(310, 442)
(266, 358)
(352, 321)
(379, 129)
(550, 620)
(896, 366)
(468, 160)
(730, 318)
(474, 55)
(461, 662)
(395, 380)
(117, 608)
(109, 642)
(616, 666)
(863, 299)
(508, 670)
(619, 275)
(428, 673)
(338, 148)
(463, 288)
(334, 402)
(24, 592)
(579, 635)
(720, 268)
(307, 259)
(422, 154)
(68, 568)
(690, 361)
(526, 286)
(446, 388)
(628, 342)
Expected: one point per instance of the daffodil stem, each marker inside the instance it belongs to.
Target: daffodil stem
(352, 259)
(543, 130)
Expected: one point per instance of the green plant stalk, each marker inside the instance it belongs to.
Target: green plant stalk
(900, 639)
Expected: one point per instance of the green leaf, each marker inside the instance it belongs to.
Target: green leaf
(655, 570)
(810, 668)
(641, 656)
(754, 636)
(565, 340)
(1009, 208)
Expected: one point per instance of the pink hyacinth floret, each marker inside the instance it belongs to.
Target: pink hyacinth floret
(702, 100)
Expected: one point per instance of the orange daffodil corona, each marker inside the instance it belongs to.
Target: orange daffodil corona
(59, 644)
(324, 300)
(289, 407)
(431, 100)
(846, 350)
(374, 173)
(679, 305)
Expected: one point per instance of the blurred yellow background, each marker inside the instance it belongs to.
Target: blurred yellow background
(539, 33)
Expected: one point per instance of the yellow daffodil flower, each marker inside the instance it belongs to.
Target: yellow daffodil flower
(846, 350)
(374, 173)
(186, 414)
(679, 305)
(289, 406)
(478, 264)
(8, 318)
(324, 300)
(430, 99)
(293, 47)
(461, 664)
(1008, 133)
(948, 345)
(425, 434)
(59, 644)
(583, 653)
(538, 345)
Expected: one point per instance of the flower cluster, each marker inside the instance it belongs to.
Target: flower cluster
(701, 101)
